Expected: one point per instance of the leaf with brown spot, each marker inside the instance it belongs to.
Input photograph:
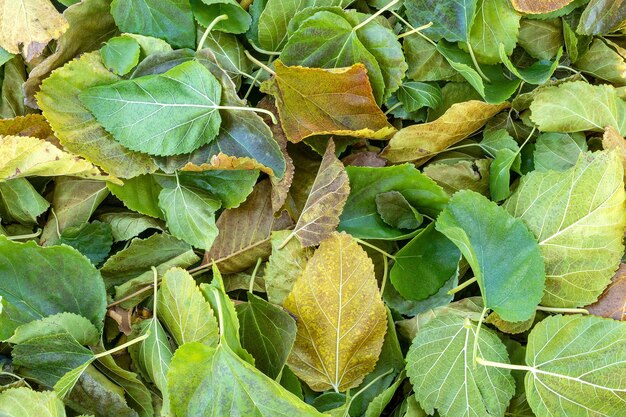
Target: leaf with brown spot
(325, 202)
(341, 317)
(30, 24)
(539, 6)
(612, 303)
(419, 143)
(244, 232)
(315, 101)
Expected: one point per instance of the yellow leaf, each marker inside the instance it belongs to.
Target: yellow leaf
(315, 101)
(34, 125)
(613, 140)
(539, 6)
(24, 156)
(221, 161)
(421, 142)
(341, 317)
(31, 23)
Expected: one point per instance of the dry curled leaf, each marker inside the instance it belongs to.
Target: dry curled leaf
(341, 317)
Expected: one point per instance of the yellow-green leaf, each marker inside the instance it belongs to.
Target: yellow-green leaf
(341, 317)
(315, 101)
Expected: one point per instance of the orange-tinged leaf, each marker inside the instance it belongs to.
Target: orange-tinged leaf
(421, 142)
(315, 101)
(612, 303)
(34, 125)
(613, 140)
(31, 23)
(221, 161)
(320, 215)
(341, 317)
(539, 6)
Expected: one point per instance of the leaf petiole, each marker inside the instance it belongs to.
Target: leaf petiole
(209, 28)
(28, 236)
(375, 15)
(415, 30)
(256, 269)
(376, 248)
(476, 66)
(462, 286)
(259, 63)
(563, 310)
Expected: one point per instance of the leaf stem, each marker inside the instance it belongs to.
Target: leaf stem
(209, 28)
(384, 282)
(462, 286)
(476, 66)
(123, 346)
(476, 335)
(512, 367)
(155, 283)
(376, 248)
(28, 236)
(259, 63)
(291, 235)
(263, 51)
(254, 109)
(410, 26)
(256, 268)
(392, 108)
(415, 30)
(563, 310)
(128, 297)
(375, 15)
(256, 77)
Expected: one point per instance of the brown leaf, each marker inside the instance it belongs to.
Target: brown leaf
(539, 6)
(364, 159)
(222, 161)
(419, 143)
(329, 193)
(34, 125)
(463, 175)
(612, 140)
(90, 25)
(122, 317)
(244, 232)
(612, 303)
(341, 317)
(30, 23)
(314, 101)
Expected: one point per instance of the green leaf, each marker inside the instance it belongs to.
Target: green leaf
(415, 95)
(170, 20)
(500, 87)
(20, 202)
(380, 402)
(452, 20)
(562, 108)
(579, 222)
(120, 54)
(487, 236)
(231, 187)
(462, 175)
(267, 332)
(538, 73)
(78, 327)
(184, 311)
(78, 286)
(275, 17)
(328, 39)
(397, 212)
(360, 217)
(190, 215)
(589, 385)
(500, 173)
(177, 110)
(139, 194)
(601, 16)
(215, 382)
(424, 265)
(94, 240)
(496, 23)
(24, 402)
(604, 63)
(205, 11)
(558, 151)
(542, 39)
(284, 266)
(126, 225)
(445, 377)
(75, 126)
(229, 54)
(424, 61)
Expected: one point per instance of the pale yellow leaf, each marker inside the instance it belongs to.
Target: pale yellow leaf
(341, 317)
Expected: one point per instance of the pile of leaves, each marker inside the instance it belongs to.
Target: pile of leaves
(312, 208)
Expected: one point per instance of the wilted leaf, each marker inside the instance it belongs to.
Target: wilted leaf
(444, 376)
(421, 142)
(601, 16)
(612, 303)
(463, 175)
(308, 100)
(539, 6)
(487, 236)
(603, 62)
(592, 384)
(341, 317)
(30, 24)
(579, 224)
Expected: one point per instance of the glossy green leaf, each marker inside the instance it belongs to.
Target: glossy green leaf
(267, 332)
(496, 23)
(424, 61)
(93, 240)
(139, 194)
(126, 225)
(205, 11)
(452, 20)
(579, 222)
(77, 285)
(20, 202)
(397, 212)
(177, 110)
(415, 95)
(120, 54)
(487, 235)
(538, 73)
(424, 265)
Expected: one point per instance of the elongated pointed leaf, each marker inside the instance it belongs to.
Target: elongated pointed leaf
(341, 317)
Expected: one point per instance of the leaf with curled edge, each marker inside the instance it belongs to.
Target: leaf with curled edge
(578, 218)
(421, 142)
(315, 101)
(612, 303)
(320, 215)
(342, 319)
(245, 232)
